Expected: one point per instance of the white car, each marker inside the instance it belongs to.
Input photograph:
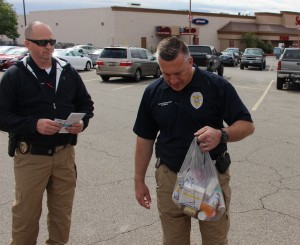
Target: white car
(4, 49)
(76, 59)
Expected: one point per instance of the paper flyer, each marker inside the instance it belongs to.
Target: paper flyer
(72, 118)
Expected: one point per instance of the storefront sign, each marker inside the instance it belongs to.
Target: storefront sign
(200, 21)
(297, 20)
(186, 31)
(284, 38)
(163, 30)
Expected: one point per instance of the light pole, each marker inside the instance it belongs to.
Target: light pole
(24, 12)
(298, 29)
(190, 23)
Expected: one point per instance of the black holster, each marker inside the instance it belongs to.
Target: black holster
(12, 143)
(223, 162)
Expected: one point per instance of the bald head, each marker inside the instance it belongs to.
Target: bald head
(36, 29)
(40, 43)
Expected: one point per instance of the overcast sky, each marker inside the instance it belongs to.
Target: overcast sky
(212, 6)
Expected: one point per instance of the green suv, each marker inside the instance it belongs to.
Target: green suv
(254, 57)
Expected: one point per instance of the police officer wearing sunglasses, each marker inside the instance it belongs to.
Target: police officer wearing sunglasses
(33, 93)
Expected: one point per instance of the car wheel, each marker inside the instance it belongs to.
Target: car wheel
(279, 85)
(137, 75)
(261, 67)
(242, 67)
(88, 66)
(157, 74)
(221, 70)
(105, 78)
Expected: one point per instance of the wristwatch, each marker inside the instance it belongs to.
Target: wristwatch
(224, 136)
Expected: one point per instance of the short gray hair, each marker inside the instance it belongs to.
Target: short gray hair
(169, 48)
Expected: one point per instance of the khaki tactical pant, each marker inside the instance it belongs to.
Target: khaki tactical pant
(33, 175)
(176, 226)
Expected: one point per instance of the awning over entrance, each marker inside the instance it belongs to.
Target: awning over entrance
(239, 27)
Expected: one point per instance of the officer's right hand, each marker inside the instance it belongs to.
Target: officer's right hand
(142, 195)
(47, 126)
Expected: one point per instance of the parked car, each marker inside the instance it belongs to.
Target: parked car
(84, 49)
(95, 55)
(5, 49)
(288, 68)
(229, 58)
(253, 57)
(76, 59)
(11, 57)
(127, 62)
(207, 58)
(237, 51)
(87, 47)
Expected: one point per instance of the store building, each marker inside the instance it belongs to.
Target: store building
(143, 27)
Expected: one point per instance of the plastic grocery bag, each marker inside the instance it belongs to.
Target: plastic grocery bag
(197, 189)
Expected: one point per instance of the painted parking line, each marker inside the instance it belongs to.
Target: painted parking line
(124, 87)
(129, 86)
(91, 80)
(250, 88)
(118, 88)
(254, 108)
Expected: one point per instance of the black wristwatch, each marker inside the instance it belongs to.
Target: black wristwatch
(224, 136)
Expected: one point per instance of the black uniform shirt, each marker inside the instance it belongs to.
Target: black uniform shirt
(208, 100)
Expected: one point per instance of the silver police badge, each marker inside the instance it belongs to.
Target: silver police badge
(196, 100)
(23, 147)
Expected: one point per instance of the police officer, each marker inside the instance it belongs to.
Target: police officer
(184, 103)
(33, 94)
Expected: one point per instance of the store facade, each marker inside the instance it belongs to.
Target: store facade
(143, 27)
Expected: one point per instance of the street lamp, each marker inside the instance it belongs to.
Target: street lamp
(190, 23)
(24, 12)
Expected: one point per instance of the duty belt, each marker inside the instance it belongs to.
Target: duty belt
(25, 147)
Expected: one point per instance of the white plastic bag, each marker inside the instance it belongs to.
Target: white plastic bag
(197, 189)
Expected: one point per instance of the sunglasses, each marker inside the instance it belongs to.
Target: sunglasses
(43, 43)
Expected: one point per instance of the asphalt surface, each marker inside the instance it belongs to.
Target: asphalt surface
(265, 173)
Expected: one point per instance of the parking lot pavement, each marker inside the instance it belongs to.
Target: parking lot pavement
(265, 173)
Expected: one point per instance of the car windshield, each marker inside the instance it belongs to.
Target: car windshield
(200, 49)
(66, 52)
(114, 53)
(253, 51)
(227, 54)
(293, 54)
(5, 49)
(232, 50)
(98, 51)
(17, 51)
(59, 52)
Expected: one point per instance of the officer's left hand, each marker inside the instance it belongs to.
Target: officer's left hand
(208, 138)
(76, 128)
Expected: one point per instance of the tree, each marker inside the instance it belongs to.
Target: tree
(9, 20)
(250, 40)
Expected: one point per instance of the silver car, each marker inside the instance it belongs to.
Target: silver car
(127, 62)
(95, 55)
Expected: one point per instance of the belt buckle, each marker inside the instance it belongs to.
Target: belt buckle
(60, 147)
(24, 147)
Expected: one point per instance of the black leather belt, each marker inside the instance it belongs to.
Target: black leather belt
(25, 147)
